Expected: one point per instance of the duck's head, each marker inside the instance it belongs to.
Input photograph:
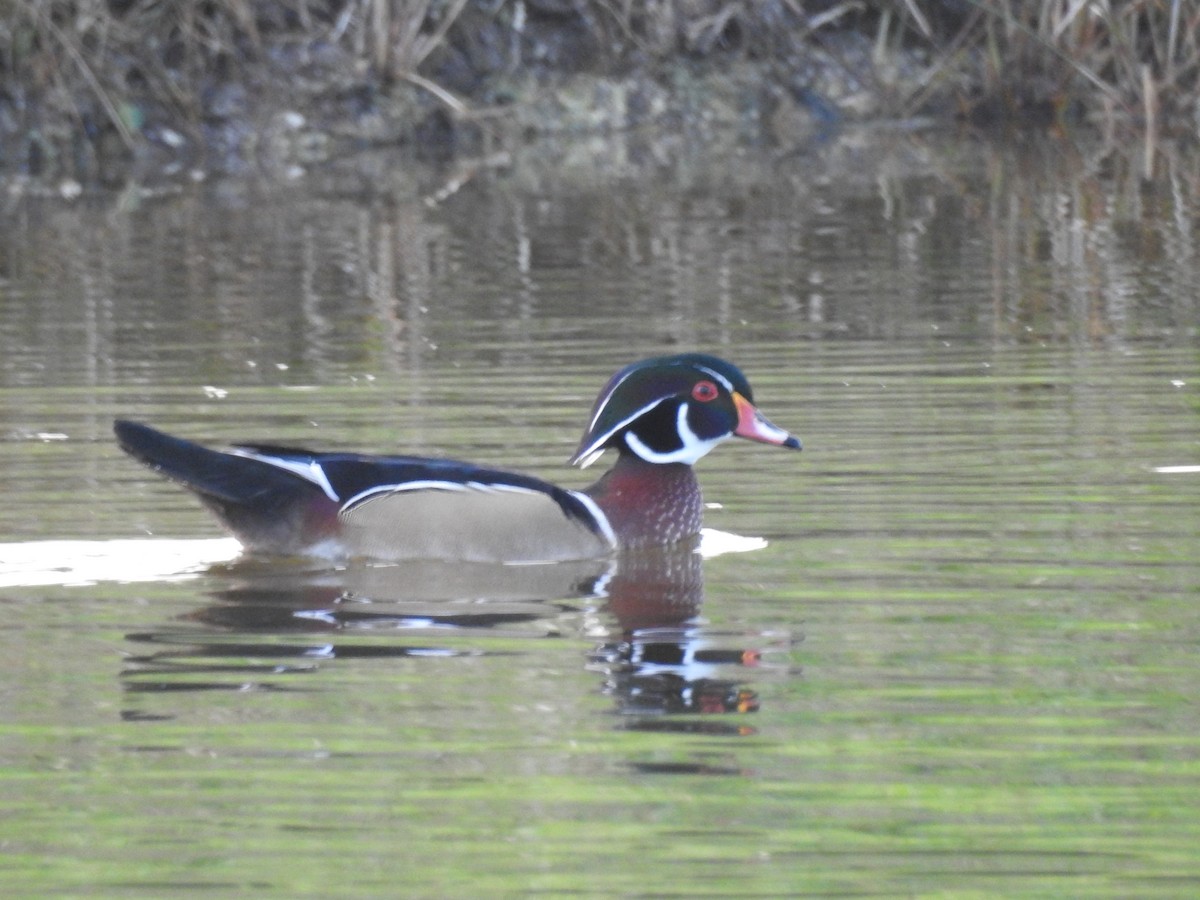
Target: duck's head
(674, 409)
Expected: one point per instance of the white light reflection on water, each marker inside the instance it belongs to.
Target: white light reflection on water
(76, 563)
(717, 543)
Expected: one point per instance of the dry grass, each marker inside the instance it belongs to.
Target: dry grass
(80, 74)
(1128, 60)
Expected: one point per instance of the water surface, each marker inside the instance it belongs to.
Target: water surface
(964, 660)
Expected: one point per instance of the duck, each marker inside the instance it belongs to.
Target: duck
(660, 416)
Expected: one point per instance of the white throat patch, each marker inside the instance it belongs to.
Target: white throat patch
(692, 450)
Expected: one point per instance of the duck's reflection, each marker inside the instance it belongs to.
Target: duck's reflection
(532, 600)
(661, 665)
(663, 660)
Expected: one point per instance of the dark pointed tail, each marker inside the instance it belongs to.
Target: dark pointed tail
(266, 507)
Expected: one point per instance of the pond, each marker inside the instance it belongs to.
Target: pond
(948, 648)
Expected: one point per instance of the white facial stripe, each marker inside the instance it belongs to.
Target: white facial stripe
(310, 470)
(693, 447)
(611, 391)
(596, 418)
(589, 456)
(718, 376)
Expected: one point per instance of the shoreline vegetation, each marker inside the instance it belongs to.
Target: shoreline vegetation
(100, 91)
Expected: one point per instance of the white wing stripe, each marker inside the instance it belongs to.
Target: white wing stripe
(427, 485)
(430, 484)
(493, 488)
(310, 470)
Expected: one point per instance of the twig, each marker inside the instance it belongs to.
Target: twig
(114, 115)
(422, 48)
(438, 91)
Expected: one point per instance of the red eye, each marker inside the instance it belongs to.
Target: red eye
(704, 391)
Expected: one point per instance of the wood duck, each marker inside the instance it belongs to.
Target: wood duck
(661, 415)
